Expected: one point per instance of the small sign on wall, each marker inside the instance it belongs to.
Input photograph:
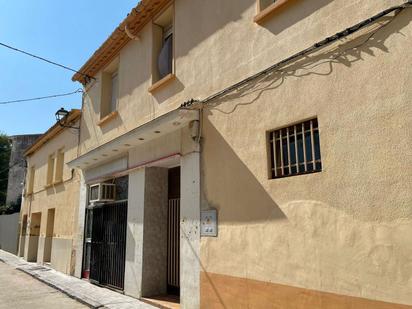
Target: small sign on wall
(208, 223)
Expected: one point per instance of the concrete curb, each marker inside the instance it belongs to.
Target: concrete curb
(80, 300)
(77, 289)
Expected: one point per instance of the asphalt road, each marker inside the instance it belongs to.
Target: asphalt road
(20, 291)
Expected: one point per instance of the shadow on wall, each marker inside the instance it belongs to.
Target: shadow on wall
(295, 11)
(163, 94)
(244, 197)
(224, 12)
(320, 63)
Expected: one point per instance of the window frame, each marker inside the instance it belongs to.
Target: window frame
(271, 149)
(106, 92)
(156, 81)
(263, 13)
(51, 162)
(59, 166)
(30, 180)
(114, 108)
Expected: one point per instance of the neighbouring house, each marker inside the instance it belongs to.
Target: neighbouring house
(238, 154)
(49, 209)
(9, 223)
(19, 143)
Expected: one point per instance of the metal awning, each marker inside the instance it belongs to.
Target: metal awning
(165, 124)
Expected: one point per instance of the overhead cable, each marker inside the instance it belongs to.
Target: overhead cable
(45, 60)
(305, 52)
(42, 98)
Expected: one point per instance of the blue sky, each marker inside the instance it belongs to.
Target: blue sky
(67, 32)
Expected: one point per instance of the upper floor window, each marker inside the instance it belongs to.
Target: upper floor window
(115, 92)
(265, 8)
(50, 169)
(55, 166)
(295, 149)
(263, 4)
(109, 89)
(162, 64)
(58, 175)
(30, 180)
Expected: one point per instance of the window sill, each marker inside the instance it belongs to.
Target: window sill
(55, 183)
(107, 118)
(162, 82)
(263, 14)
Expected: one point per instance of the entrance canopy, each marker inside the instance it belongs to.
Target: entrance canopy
(118, 147)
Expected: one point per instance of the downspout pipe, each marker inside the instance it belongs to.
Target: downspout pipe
(130, 34)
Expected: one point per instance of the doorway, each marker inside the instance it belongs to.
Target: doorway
(108, 244)
(161, 238)
(33, 245)
(23, 235)
(173, 232)
(49, 236)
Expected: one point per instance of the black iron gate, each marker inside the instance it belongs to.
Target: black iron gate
(173, 244)
(108, 244)
(173, 232)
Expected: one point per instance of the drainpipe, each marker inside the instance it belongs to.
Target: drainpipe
(131, 35)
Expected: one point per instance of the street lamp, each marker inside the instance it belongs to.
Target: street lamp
(61, 115)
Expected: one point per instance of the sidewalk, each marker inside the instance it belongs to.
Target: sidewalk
(81, 290)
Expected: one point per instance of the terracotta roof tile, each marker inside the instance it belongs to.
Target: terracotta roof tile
(138, 17)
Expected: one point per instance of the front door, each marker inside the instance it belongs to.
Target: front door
(108, 244)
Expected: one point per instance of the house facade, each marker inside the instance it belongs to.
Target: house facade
(217, 168)
(48, 216)
(9, 223)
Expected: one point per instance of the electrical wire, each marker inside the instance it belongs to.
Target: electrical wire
(45, 60)
(329, 40)
(43, 98)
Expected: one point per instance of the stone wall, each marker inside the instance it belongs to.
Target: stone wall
(17, 166)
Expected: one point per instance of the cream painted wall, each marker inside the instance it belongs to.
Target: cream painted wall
(63, 197)
(344, 230)
(216, 44)
(347, 229)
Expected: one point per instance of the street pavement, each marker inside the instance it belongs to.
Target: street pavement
(19, 290)
(78, 289)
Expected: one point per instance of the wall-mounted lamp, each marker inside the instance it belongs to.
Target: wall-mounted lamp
(61, 116)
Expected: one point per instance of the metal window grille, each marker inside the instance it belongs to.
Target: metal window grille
(295, 150)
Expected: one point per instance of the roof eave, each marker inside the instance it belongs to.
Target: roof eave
(138, 17)
(53, 131)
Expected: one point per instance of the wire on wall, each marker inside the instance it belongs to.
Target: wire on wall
(325, 42)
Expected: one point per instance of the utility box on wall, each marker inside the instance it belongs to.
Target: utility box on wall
(208, 223)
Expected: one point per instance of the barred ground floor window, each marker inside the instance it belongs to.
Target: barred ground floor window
(295, 149)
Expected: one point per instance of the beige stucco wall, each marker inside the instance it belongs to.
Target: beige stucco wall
(216, 44)
(345, 230)
(63, 197)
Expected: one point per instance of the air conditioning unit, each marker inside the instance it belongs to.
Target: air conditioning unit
(102, 192)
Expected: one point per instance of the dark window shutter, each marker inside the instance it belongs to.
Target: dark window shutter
(165, 57)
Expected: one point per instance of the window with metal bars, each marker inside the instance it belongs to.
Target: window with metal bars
(295, 149)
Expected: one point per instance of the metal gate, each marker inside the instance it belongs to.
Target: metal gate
(173, 244)
(108, 244)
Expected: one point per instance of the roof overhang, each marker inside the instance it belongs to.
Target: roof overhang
(56, 129)
(131, 25)
(118, 147)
